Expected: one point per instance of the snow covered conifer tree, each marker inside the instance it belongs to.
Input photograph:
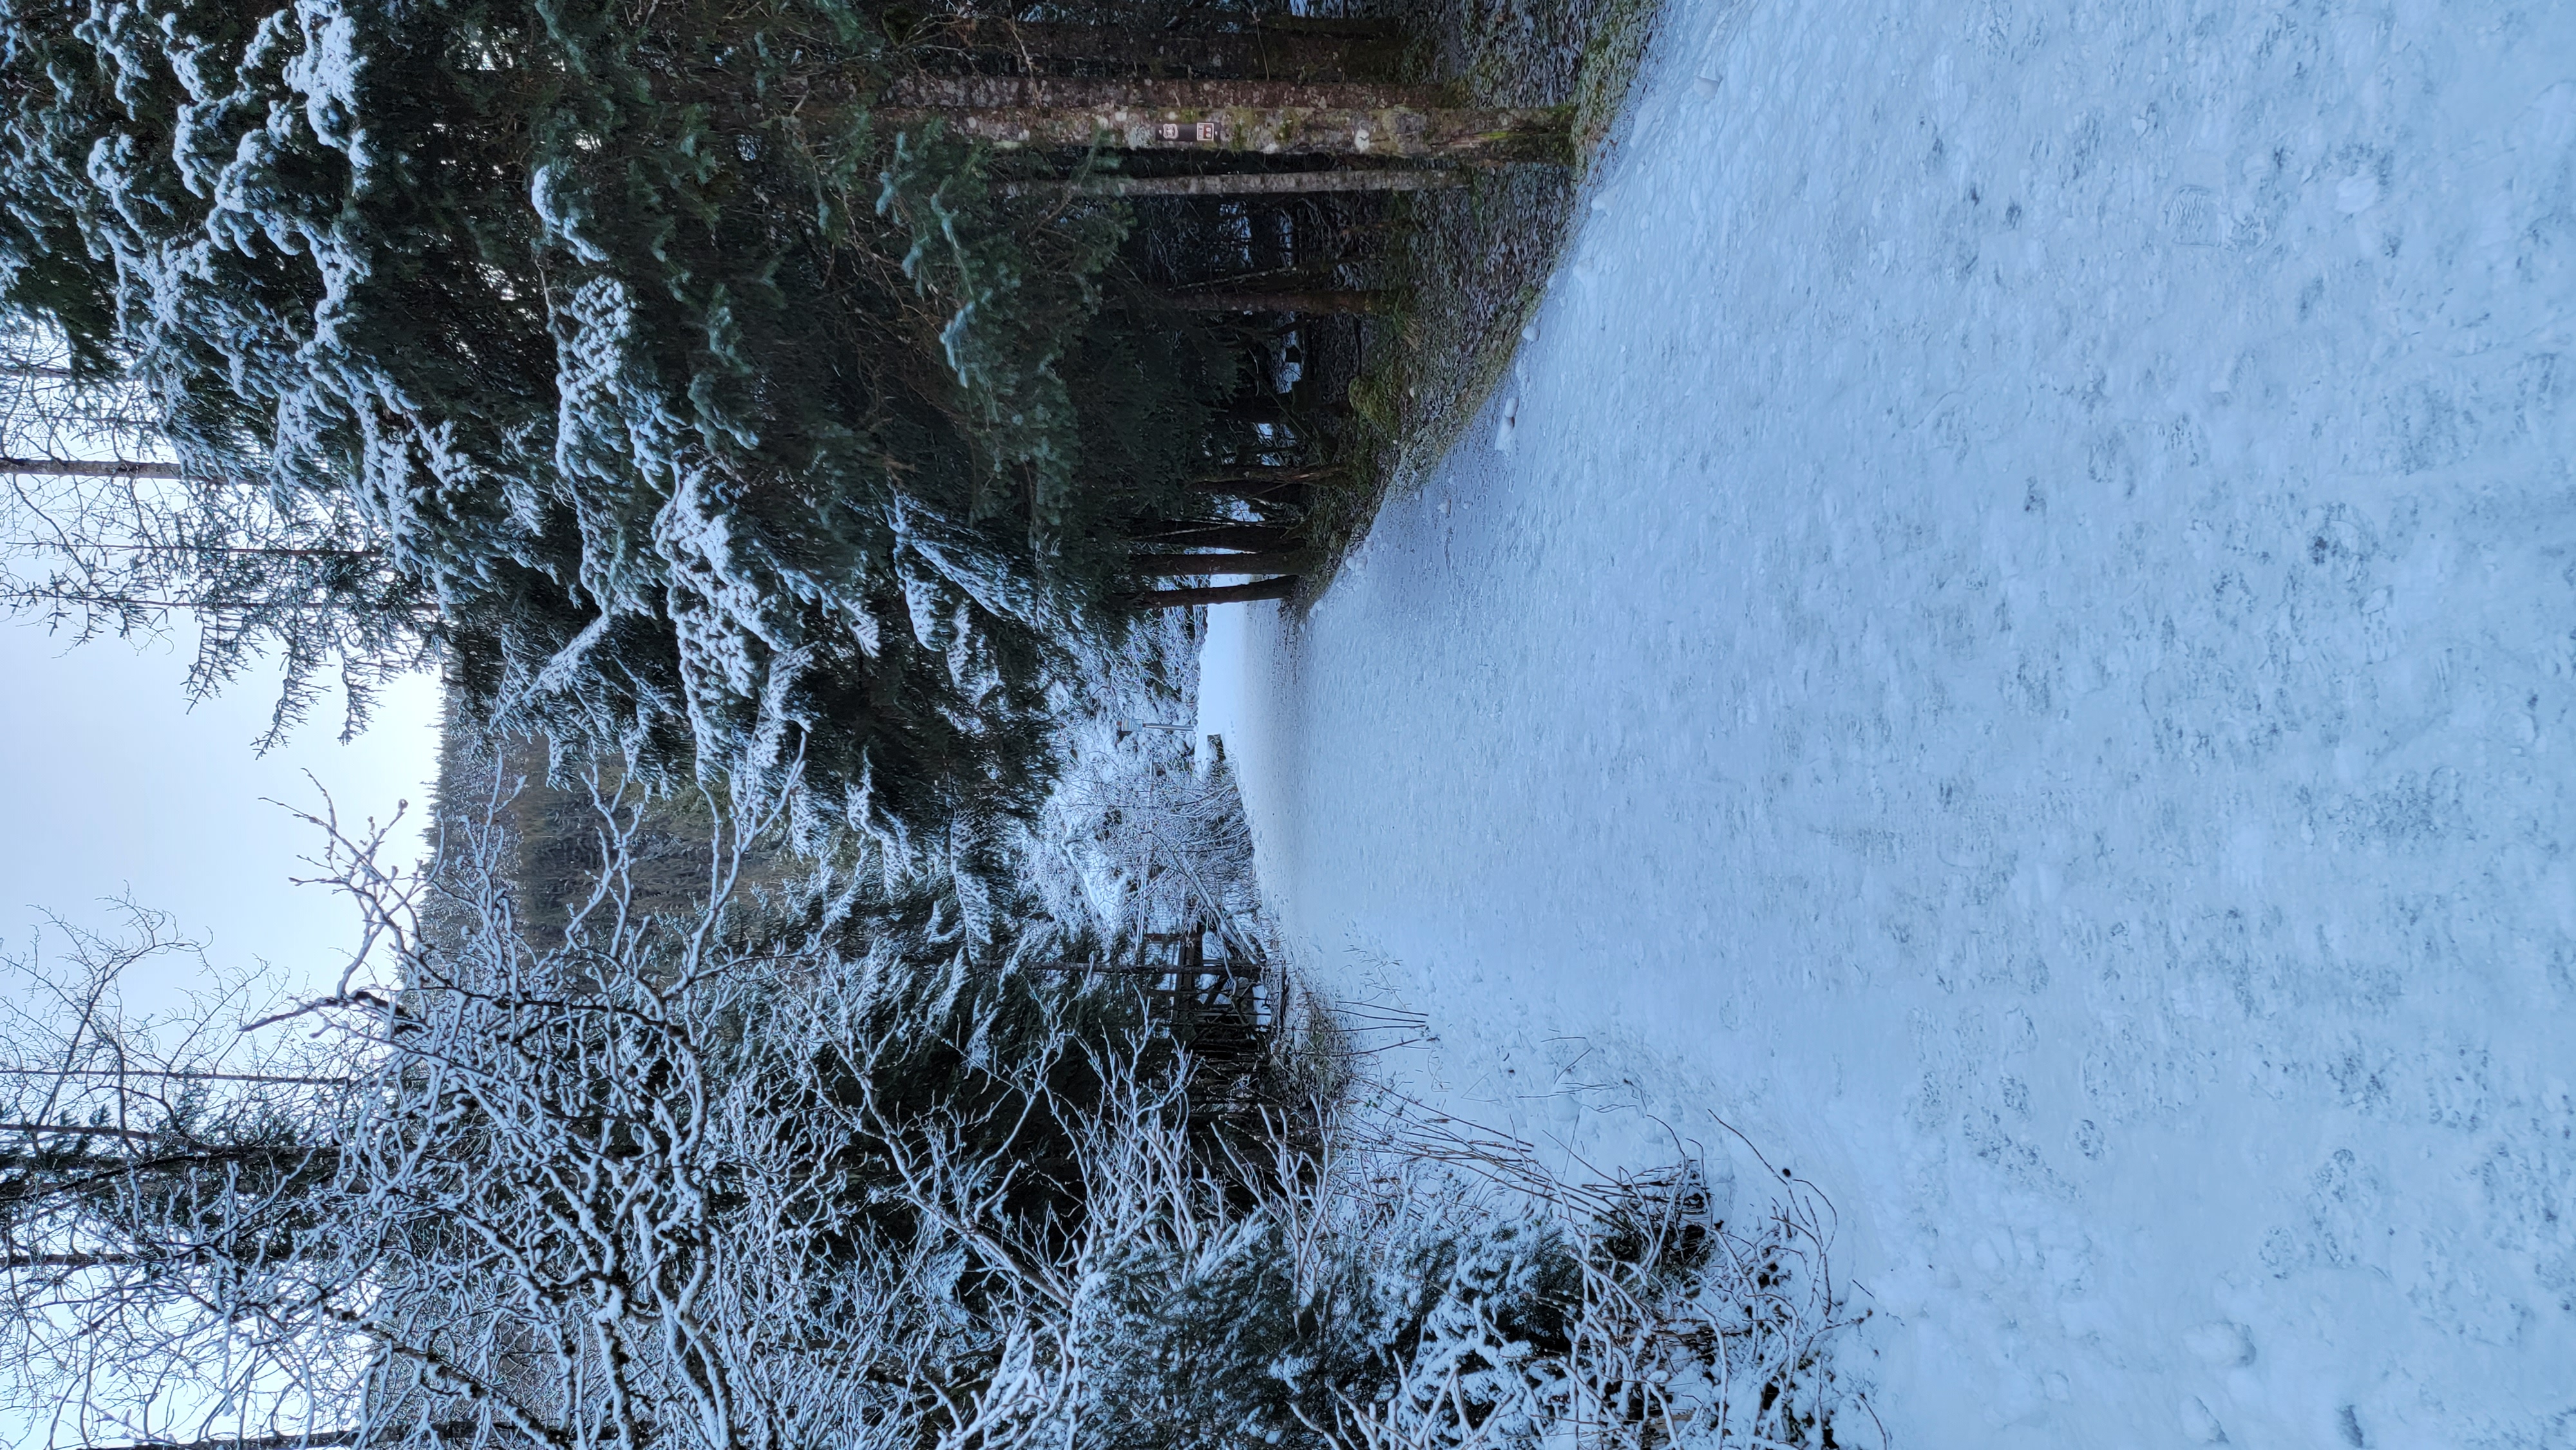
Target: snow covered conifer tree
(705, 412)
(101, 533)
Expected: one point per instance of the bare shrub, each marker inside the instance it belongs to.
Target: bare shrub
(1141, 835)
(158, 1178)
(824, 1171)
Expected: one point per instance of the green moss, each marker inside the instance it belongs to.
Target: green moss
(1476, 260)
(1610, 63)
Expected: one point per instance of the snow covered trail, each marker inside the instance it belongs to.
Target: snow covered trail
(2013, 635)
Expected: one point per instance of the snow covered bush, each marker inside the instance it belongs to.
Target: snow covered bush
(1355, 1275)
(1140, 834)
(825, 1167)
(1369, 1302)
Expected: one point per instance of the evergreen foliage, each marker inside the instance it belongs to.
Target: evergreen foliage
(119, 546)
(1448, 1331)
(718, 427)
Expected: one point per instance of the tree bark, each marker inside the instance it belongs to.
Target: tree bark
(194, 552)
(1249, 183)
(1338, 302)
(1271, 408)
(1256, 52)
(89, 468)
(81, 1130)
(156, 1075)
(317, 1440)
(1289, 495)
(1150, 100)
(78, 1261)
(1349, 27)
(1266, 485)
(1257, 477)
(1470, 137)
(1254, 538)
(1357, 27)
(1280, 588)
(1283, 561)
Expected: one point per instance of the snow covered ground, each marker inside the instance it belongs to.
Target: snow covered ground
(2015, 634)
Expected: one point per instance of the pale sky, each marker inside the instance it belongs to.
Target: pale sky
(112, 785)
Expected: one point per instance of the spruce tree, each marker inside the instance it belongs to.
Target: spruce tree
(717, 424)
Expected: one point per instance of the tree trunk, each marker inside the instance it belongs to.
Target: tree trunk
(1469, 137)
(1268, 408)
(1257, 52)
(1255, 538)
(1249, 476)
(1356, 27)
(80, 1261)
(1339, 302)
(316, 1440)
(1266, 485)
(1283, 561)
(1286, 495)
(1280, 588)
(1349, 27)
(319, 1440)
(1146, 100)
(1248, 183)
(89, 468)
(119, 1074)
(81, 1130)
(193, 551)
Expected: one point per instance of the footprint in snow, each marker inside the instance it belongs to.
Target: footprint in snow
(2357, 194)
(1509, 424)
(2200, 1424)
(2221, 1345)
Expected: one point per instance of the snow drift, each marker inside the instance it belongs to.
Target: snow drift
(2015, 640)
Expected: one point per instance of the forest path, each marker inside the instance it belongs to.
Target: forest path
(2013, 634)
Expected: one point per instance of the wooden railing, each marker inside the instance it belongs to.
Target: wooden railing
(1223, 1009)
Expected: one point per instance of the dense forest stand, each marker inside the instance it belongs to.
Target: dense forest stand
(1225, 109)
(1231, 133)
(1260, 547)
